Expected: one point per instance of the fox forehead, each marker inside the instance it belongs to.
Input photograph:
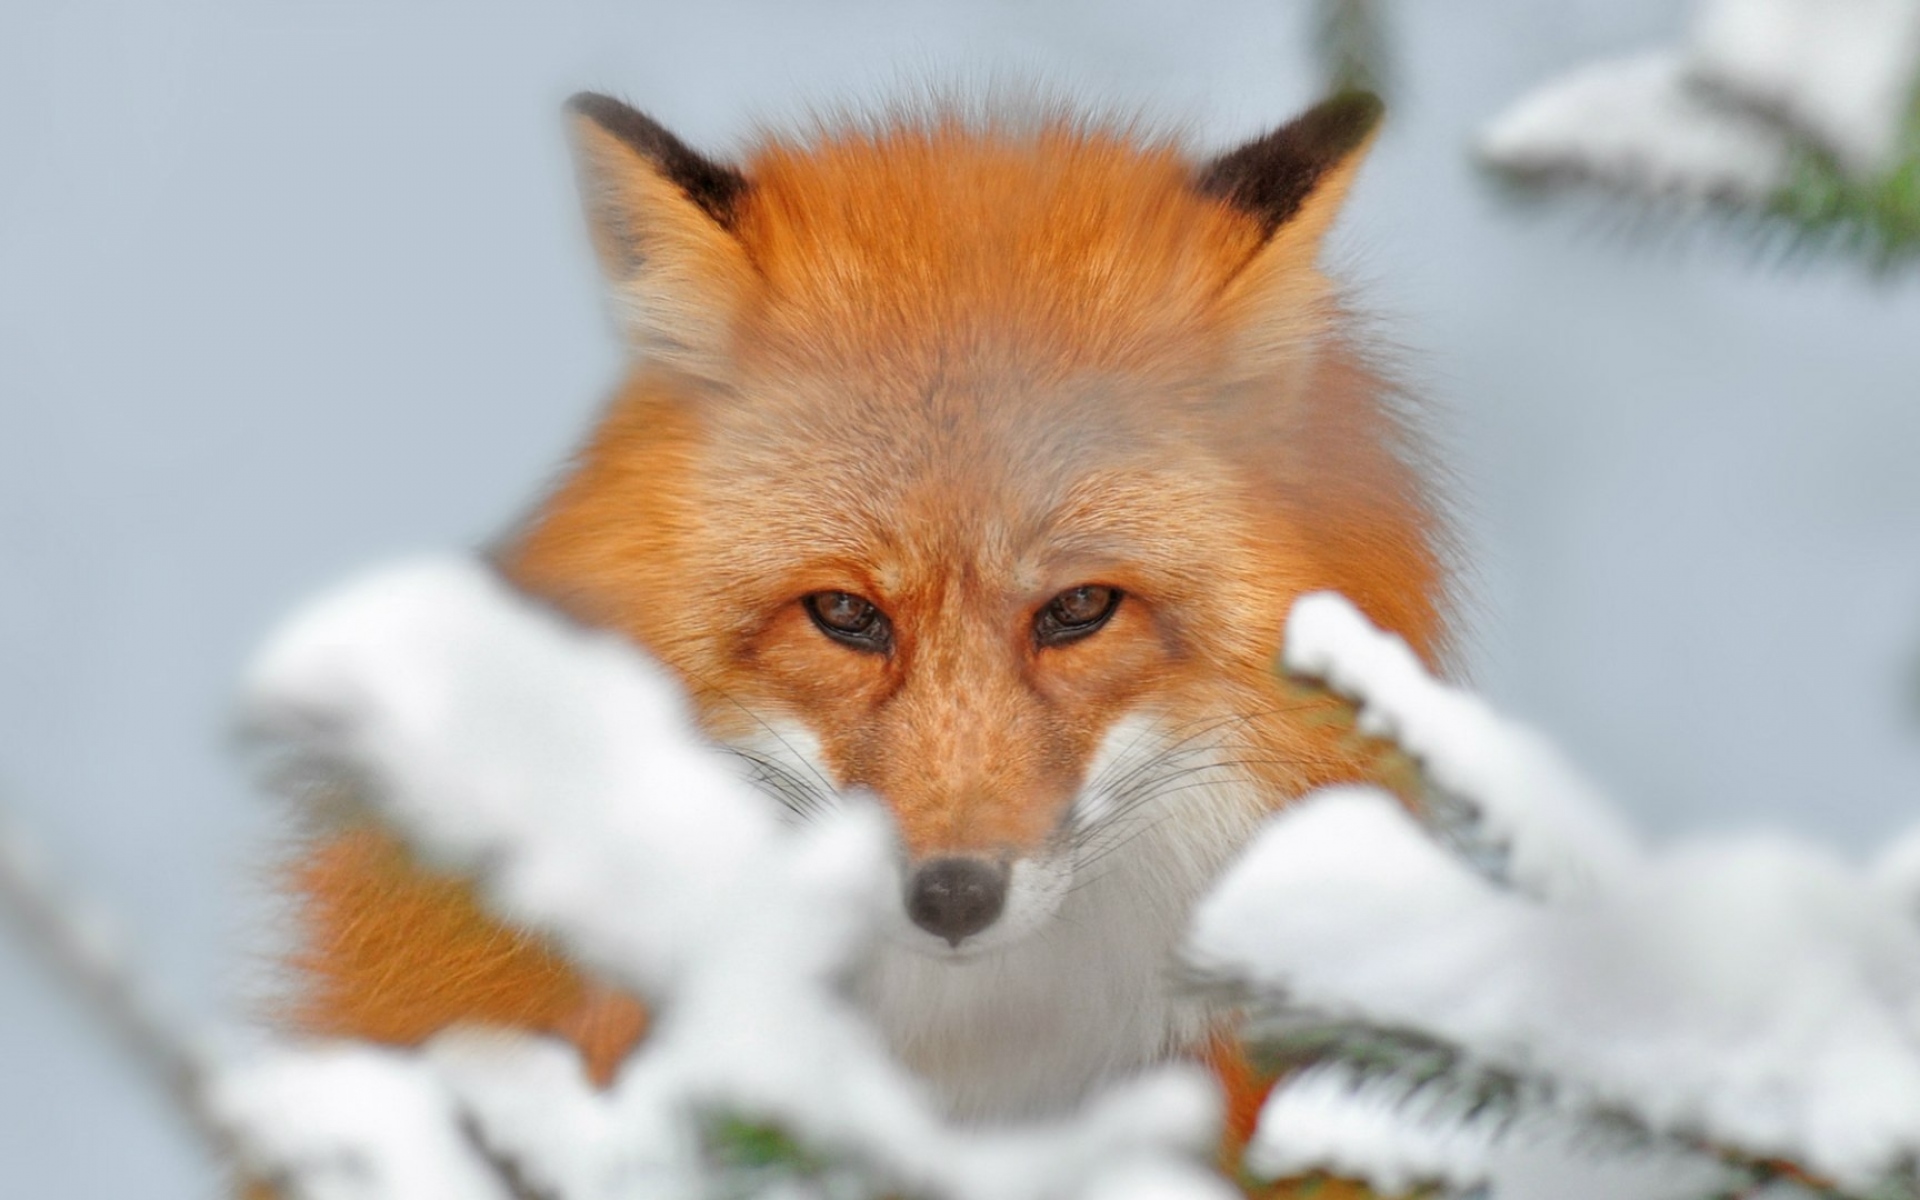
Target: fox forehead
(1011, 495)
(920, 242)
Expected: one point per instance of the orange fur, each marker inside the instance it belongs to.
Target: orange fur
(974, 367)
(954, 366)
(396, 955)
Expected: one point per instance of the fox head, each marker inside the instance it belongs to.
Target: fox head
(973, 462)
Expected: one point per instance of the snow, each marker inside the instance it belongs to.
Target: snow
(348, 1123)
(1897, 872)
(1381, 1131)
(1754, 992)
(1557, 834)
(1637, 124)
(1158, 1181)
(558, 766)
(552, 756)
(1751, 995)
(1840, 71)
(1718, 117)
(1397, 1137)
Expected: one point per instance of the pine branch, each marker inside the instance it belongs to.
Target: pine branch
(1668, 137)
(1502, 1100)
(1823, 210)
(747, 1158)
(1378, 997)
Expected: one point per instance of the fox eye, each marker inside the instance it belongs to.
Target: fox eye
(1075, 613)
(850, 620)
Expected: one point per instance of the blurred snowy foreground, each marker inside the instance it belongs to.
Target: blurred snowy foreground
(1724, 114)
(1519, 986)
(1510, 995)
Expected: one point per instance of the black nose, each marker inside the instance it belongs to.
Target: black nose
(954, 898)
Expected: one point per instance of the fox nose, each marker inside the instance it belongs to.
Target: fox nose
(955, 898)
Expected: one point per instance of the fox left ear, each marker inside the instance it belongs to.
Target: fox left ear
(1294, 179)
(662, 218)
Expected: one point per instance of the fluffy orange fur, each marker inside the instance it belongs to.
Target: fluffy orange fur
(394, 955)
(954, 365)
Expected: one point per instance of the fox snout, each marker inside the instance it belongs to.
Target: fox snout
(954, 898)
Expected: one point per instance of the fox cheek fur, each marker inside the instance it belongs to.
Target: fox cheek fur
(973, 461)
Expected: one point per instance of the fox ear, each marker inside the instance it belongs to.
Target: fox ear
(1293, 182)
(662, 220)
(1294, 179)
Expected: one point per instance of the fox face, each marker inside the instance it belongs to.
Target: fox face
(970, 464)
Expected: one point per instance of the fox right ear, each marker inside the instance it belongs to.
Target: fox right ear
(1292, 182)
(662, 220)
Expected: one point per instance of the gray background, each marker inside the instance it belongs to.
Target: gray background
(287, 288)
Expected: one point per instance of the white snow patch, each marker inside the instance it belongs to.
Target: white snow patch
(1897, 871)
(1559, 835)
(1379, 1131)
(1160, 1181)
(1718, 117)
(1638, 124)
(1397, 1137)
(1756, 992)
(1556, 1159)
(1843, 72)
(554, 758)
(348, 1123)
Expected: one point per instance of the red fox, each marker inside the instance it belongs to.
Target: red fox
(971, 460)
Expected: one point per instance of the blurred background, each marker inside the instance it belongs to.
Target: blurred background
(288, 289)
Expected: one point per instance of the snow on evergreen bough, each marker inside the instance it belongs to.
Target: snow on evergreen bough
(1755, 999)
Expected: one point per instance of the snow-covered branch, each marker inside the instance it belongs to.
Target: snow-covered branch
(1511, 992)
(1801, 112)
(1754, 995)
(556, 766)
(1841, 73)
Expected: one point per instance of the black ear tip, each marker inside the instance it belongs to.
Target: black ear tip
(1270, 177)
(585, 102)
(1343, 121)
(1360, 102)
(604, 111)
(714, 186)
